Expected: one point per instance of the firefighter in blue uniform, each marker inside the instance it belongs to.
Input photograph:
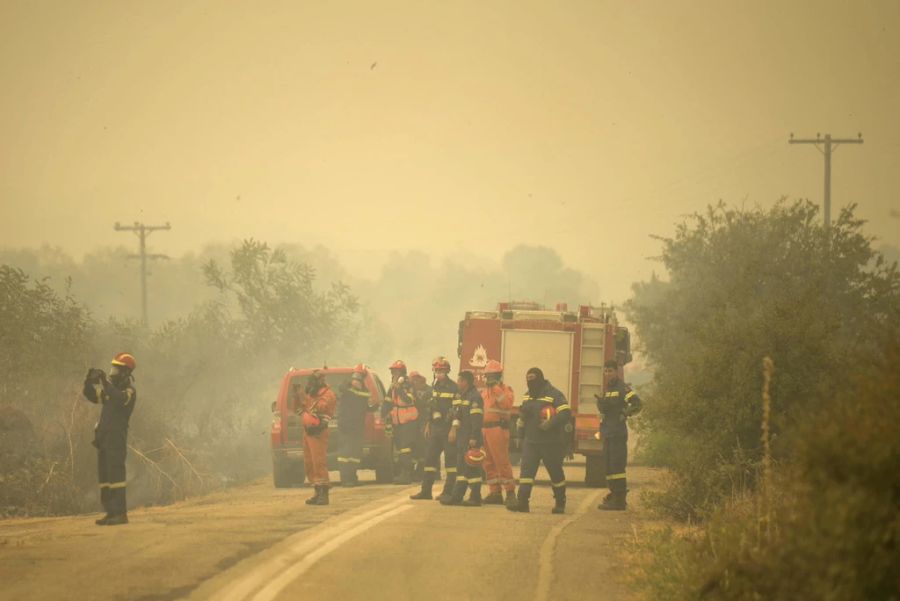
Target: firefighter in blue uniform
(116, 393)
(617, 404)
(545, 423)
(465, 431)
(351, 414)
(443, 392)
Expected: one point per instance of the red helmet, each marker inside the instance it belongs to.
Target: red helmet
(493, 367)
(125, 360)
(310, 420)
(547, 412)
(440, 363)
(475, 457)
(359, 368)
(398, 364)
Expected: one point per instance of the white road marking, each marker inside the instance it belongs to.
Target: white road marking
(308, 548)
(545, 575)
(272, 590)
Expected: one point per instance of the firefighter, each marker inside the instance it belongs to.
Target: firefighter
(422, 394)
(316, 412)
(437, 428)
(617, 404)
(498, 402)
(465, 432)
(401, 417)
(354, 403)
(544, 424)
(116, 393)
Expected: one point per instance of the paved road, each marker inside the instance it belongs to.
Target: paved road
(258, 543)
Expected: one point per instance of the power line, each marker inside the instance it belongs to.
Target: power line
(826, 146)
(142, 231)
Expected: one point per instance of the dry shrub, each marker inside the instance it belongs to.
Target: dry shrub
(831, 522)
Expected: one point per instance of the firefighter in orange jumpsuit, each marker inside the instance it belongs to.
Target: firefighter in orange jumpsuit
(400, 412)
(498, 403)
(317, 411)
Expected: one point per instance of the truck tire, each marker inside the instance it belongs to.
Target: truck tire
(594, 471)
(281, 474)
(384, 466)
(286, 474)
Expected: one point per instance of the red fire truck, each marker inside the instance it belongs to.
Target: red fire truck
(287, 430)
(569, 347)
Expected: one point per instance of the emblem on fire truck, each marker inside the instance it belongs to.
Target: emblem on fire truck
(479, 357)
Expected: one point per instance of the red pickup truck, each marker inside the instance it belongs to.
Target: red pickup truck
(287, 431)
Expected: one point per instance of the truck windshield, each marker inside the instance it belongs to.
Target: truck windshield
(335, 381)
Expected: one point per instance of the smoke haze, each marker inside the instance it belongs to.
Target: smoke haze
(456, 130)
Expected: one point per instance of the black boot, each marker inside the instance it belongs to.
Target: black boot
(449, 486)
(116, 508)
(616, 502)
(521, 505)
(117, 520)
(104, 501)
(606, 500)
(495, 498)
(559, 506)
(323, 496)
(559, 496)
(314, 500)
(427, 484)
(459, 491)
(511, 500)
(474, 499)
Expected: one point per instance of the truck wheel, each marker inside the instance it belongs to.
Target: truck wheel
(384, 466)
(286, 474)
(281, 474)
(594, 471)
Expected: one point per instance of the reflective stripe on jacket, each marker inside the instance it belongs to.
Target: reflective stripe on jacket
(403, 406)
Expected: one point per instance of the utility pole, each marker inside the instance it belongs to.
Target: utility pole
(830, 144)
(142, 231)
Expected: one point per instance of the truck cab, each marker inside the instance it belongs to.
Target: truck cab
(286, 432)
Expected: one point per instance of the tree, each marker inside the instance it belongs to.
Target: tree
(744, 284)
(279, 304)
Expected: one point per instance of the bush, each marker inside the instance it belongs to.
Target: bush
(828, 528)
(744, 284)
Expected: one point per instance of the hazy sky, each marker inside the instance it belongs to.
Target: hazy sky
(458, 128)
